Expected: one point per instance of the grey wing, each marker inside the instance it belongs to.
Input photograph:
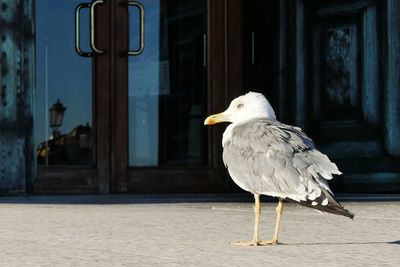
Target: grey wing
(271, 158)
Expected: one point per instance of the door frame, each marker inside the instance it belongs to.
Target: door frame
(94, 178)
(111, 173)
(223, 47)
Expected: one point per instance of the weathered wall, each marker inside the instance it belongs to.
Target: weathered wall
(16, 95)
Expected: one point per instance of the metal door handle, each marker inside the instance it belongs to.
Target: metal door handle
(204, 50)
(253, 58)
(92, 32)
(78, 49)
(140, 7)
(77, 30)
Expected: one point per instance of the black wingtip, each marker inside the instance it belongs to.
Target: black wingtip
(339, 210)
(334, 208)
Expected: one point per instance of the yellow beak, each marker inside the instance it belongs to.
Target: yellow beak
(216, 118)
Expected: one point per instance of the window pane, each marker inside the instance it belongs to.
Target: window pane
(168, 85)
(62, 75)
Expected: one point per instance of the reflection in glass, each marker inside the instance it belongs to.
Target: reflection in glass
(56, 117)
(259, 24)
(62, 76)
(168, 85)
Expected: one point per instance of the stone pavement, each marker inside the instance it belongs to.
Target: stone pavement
(151, 231)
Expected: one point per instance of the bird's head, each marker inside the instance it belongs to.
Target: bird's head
(243, 108)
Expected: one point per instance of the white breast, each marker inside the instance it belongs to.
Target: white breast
(227, 134)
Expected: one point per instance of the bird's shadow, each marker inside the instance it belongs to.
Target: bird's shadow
(396, 242)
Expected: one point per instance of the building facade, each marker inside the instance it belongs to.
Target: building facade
(109, 96)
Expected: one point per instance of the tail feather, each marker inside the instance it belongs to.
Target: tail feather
(334, 209)
(327, 203)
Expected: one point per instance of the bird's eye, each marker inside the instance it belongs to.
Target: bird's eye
(239, 106)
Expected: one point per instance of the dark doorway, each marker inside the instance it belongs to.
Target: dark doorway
(259, 53)
(332, 64)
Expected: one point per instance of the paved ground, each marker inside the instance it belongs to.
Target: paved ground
(139, 231)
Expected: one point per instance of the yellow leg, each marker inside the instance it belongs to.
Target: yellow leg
(257, 211)
(255, 241)
(274, 240)
(279, 210)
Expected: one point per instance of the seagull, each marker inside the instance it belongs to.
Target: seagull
(266, 157)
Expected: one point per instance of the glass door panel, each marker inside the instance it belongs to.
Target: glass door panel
(168, 84)
(63, 112)
(259, 24)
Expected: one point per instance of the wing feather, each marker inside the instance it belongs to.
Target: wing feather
(268, 157)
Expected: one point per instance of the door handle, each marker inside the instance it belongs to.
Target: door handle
(140, 7)
(253, 58)
(204, 50)
(78, 49)
(78, 32)
(92, 32)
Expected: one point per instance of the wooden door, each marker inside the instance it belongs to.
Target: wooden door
(335, 53)
(73, 75)
(153, 71)
(162, 94)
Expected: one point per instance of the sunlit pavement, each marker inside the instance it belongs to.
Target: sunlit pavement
(148, 230)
